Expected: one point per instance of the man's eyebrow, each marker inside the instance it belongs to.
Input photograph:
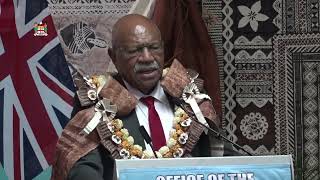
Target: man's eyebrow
(137, 45)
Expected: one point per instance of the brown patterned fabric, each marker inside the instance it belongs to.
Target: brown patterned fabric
(72, 146)
(175, 80)
(209, 112)
(119, 96)
(194, 134)
(105, 137)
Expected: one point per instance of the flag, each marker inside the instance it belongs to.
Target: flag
(36, 88)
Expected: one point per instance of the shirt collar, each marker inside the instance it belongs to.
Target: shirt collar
(157, 93)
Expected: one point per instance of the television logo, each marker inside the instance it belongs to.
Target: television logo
(40, 29)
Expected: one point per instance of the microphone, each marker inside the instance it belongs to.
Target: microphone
(217, 134)
(147, 138)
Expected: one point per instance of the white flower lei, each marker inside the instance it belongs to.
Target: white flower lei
(173, 148)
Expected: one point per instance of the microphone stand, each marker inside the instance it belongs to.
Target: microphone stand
(220, 136)
(182, 104)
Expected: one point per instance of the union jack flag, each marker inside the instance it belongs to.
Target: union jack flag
(36, 89)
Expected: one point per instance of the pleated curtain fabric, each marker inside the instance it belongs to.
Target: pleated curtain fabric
(186, 38)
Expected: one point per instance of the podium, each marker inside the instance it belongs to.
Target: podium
(209, 168)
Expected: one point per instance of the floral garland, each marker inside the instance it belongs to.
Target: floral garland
(174, 147)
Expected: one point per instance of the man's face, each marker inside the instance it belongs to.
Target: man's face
(139, 57)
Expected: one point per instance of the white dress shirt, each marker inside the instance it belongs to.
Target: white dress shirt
(162, 106)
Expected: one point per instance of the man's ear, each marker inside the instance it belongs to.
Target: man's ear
(112, 55)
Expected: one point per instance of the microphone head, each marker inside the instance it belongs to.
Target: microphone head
(144, 134)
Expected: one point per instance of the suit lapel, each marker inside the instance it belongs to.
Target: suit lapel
(131, 123)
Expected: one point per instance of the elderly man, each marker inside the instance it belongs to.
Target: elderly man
(139, 95)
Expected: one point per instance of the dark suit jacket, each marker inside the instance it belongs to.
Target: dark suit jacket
(99, 164)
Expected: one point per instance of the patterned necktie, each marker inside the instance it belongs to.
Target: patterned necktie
(156, 130)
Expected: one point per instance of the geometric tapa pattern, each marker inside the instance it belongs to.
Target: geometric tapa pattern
(297, 100)
(84, 29)
(270, 56)
(248, 73)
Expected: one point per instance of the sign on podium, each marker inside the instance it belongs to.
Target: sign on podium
(209, 168)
